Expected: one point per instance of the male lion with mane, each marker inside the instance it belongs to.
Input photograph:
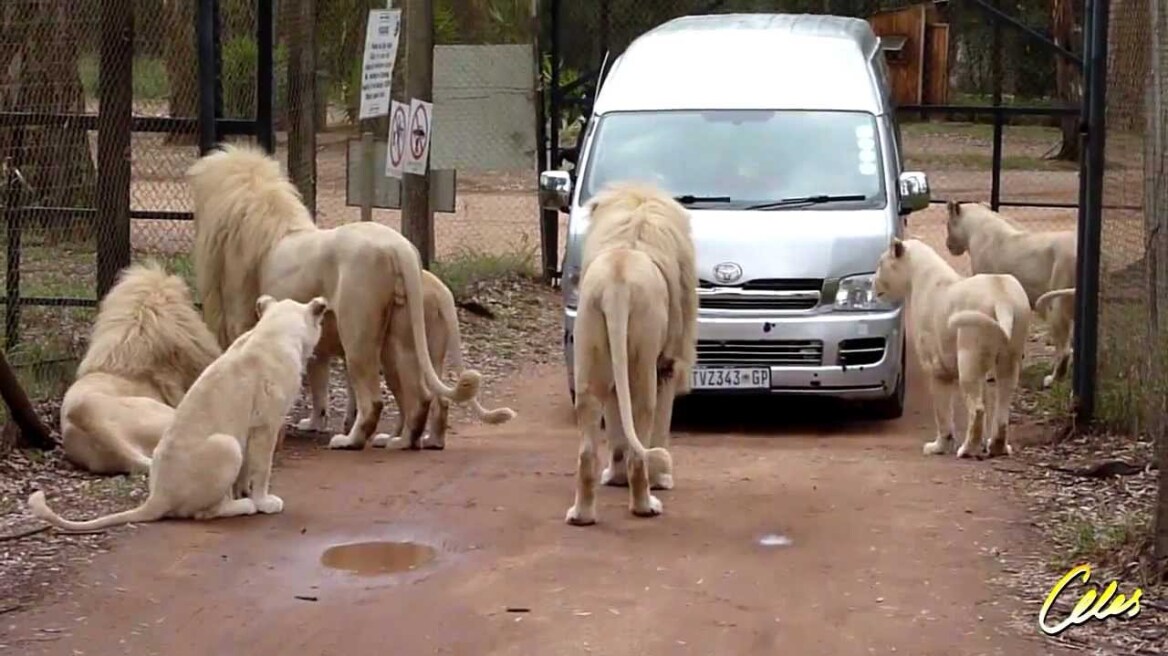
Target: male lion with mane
(254, 236)
(635, 340)
(226, 427)
(147, 346)
(442, 336)
(1044, 262)
(963, 329)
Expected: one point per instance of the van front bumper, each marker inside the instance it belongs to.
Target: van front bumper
(847, 355)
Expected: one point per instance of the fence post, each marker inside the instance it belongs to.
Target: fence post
(417, 218)
(206, 27)
(266, 50)
(12, 214)
(549, 223)
(116, 91)
(996, 156)
(1091, 216)
(302, 99)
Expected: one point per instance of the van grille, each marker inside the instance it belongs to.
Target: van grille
(855, 352)
(761, 294)
(783, 353)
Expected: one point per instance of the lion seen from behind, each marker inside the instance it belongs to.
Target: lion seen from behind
(146, 348)
(1044, 262)
(635, 341)
(963, 329)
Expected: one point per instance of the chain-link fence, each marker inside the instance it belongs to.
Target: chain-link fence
(1129, 378)
(1039, 171)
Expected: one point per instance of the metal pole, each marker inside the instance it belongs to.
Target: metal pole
(265, 46)
(1091, 219)
(205, 21)
(116, 89)
(996, 160)
(13, 217)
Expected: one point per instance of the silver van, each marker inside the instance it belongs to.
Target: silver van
(777, 132)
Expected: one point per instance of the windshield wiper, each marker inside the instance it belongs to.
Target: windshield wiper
(690, 199)
(806, 200)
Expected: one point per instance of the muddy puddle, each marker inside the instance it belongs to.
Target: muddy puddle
(377, 558)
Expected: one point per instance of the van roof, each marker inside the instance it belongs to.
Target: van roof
(747, 61)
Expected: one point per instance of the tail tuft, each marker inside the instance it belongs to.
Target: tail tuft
(468, 385)
(497, 416)
(38, 505)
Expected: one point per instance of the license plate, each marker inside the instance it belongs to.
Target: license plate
(732, 378)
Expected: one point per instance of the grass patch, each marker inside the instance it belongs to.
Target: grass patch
(468, 267)
(1053, 403)
(1114, 541)
(980, 131)
(150, 79)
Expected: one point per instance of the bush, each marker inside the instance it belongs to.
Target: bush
(240, 57)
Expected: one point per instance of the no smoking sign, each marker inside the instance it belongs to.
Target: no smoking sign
(395, 151)
(419, 136)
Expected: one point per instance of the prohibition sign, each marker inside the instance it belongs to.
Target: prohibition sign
(419, 132)
(397, 137)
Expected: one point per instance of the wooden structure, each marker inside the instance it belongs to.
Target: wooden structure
(916, 45)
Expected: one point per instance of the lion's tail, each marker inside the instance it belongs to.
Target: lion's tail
(149, 511)
(1001, 325)
(615, 305)
(1042, 303)
(469, 380)
(454, 346)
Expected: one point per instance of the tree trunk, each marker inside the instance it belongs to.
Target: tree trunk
(1156, 225)
(33, 433)
(181, 71)
(1068, 82)
(1127, 64)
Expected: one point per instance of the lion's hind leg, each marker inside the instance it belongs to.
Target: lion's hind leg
(972, 381)
(318, 378)
(210, 473)
(616, 473)
(660, 459)
(362, 329)
(588, 413)
(643, 393)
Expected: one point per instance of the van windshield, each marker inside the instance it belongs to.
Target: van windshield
(734, 158)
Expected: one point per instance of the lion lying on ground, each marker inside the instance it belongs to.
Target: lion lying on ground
(963, 329)
(254, 236)
(635, 340)
(442, 336)
(225, 429)
(1044, 262)
(147, 346)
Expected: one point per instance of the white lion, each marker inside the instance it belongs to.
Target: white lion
(226, 427)
(963, 329)
(254, 236)
(147, 346)
(635, 340)
(405, 382)
(1044, 262)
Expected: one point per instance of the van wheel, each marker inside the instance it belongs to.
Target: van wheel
(892, 407)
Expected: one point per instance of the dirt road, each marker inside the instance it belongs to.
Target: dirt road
(886, 551)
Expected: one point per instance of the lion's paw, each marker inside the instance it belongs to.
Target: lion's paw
(934, 448)
(269, 505)
(579, 517)
(661, 482)
(345, 442)
(997, 450)
(615, 476)
(390, 442)
(966, 451)
(313, 424)
(1047, 381)
(432, 443)
(655, 508)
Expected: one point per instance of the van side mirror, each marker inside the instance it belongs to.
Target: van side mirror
(555, 190)
(914, 191)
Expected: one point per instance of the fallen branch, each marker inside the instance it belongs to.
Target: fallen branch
(24, 534)
(1104, 469)
(474, 307)
(33, 433)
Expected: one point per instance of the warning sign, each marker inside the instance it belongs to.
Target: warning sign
(419, 136)
(398, 142)
(381, 38)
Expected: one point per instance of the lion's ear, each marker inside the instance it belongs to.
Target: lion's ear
(954, 207)
(318, 306)
(263, 303)
(897, 248)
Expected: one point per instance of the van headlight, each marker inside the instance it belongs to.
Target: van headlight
(856, 294)
(571, 286)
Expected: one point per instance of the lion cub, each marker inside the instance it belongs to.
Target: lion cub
(226, 427)
(963, 329)
(1044, 262)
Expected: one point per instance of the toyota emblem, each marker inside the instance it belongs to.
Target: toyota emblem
(727, 272)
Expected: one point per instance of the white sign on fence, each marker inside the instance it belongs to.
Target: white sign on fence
(381, 38)
(397, 142)
(418, 136)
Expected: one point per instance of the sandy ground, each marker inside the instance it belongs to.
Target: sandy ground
(882, 551)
